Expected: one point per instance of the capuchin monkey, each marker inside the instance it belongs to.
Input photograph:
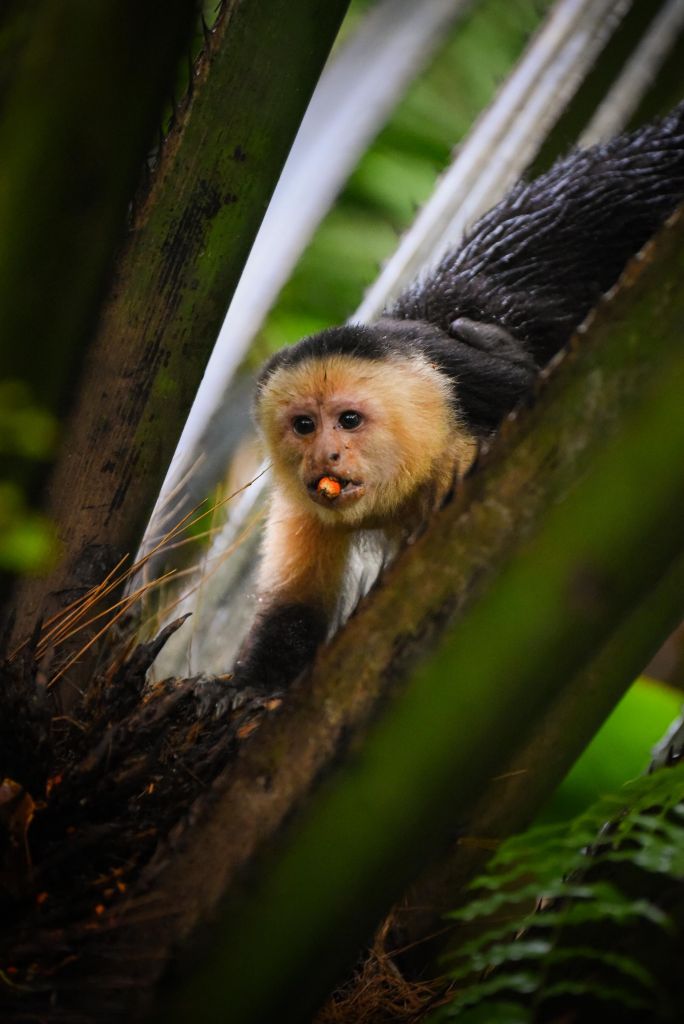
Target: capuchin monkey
(367, 425)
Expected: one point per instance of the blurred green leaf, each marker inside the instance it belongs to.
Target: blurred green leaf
(619, 751)
(26, 428)
(27, 539)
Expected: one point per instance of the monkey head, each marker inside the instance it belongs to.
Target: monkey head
(353, 438)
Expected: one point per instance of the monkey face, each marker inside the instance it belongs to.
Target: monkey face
(333, 459)
(353, 439)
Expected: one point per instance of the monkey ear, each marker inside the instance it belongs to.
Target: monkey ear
(492, 369)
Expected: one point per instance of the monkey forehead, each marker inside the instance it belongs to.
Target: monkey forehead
(396, 382)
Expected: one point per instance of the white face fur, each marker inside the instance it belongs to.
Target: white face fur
(352, 440)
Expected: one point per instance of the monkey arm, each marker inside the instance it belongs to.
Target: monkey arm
(301, 578)
(281, 643)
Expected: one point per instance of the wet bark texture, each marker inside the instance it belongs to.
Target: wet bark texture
(190, 234)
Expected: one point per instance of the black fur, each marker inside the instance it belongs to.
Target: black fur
(378, 341)
(280, 645)
(533, 266)
(539, 260)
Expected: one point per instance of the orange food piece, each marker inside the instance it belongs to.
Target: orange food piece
(329, 486)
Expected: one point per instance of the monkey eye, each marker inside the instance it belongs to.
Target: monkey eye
(303, 425)
(350, 419)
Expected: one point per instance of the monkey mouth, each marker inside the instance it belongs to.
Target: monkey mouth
(334, 491)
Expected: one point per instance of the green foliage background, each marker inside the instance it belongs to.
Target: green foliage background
(603, 878)
(619, 751)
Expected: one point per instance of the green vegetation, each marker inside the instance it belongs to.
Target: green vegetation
(608, 869)
(619, 751)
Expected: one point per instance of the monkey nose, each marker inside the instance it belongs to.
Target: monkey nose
(333, 456)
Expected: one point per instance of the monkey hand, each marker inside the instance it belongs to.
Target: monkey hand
(492, 339)
(494, 370)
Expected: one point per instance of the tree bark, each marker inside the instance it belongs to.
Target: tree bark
(183, 255)
(82, 87)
